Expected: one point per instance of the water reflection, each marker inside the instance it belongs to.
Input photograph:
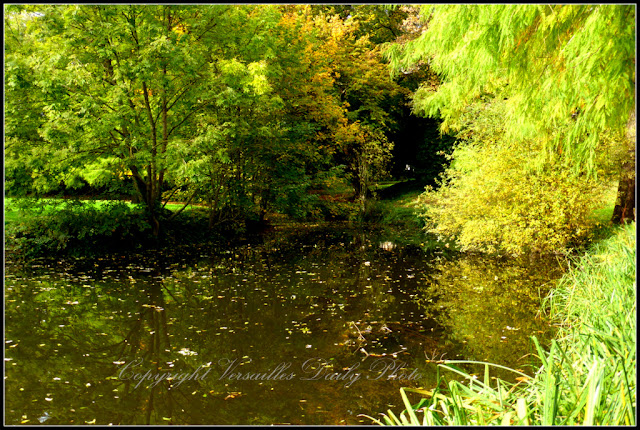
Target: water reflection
(490, 307)
(387, 245)
(213, 336)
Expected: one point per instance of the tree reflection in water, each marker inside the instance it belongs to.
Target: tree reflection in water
(77, 332)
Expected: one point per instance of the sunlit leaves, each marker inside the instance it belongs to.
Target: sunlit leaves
(547, 60)
(122, 84)
(500, 198)
(243, 107)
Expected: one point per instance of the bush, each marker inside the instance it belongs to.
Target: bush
(79, 228)
(338, 210)
(497, 197)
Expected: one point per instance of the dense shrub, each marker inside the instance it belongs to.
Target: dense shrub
(501, 197)
(79, 228)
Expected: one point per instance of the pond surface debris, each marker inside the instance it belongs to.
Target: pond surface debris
(308, 326)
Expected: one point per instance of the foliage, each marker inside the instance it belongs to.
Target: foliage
(340, 87)
(29, 163)
(589, 375)
(54, 227)
(496, 198)
(565, 76)
(130, 87)
(559, 66)
(244, 108)
(380, 23)
(77, 228)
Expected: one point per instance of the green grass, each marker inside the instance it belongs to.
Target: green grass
(11, 216)
(604, 213)
(588, 377)
(16, 209)
(399, 213)
(384, 184)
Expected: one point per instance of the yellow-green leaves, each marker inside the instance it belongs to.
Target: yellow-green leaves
(499, 197)
(553, 59)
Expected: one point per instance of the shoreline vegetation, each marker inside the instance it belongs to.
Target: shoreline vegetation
(588, 376)
(73, 226)
(505, 131)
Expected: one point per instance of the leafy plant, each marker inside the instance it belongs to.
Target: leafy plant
(565, 72)
(496, 197)
(78, 228)
(391, 419)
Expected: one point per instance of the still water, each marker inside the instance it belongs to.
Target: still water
(304, 326)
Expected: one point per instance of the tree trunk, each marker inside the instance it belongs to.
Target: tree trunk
(625, 208)
(144, 188)
(155, 225)
(210, 212)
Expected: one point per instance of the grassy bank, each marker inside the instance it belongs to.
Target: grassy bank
(55, 227)
(16, 210)
(587, 377)
(401, 211)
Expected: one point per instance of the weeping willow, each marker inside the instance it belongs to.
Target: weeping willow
(554, 64)
(566, 72)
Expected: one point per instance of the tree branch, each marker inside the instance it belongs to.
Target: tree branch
(185, 205)
(185, 118)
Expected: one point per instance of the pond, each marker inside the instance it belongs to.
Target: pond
(312, 325)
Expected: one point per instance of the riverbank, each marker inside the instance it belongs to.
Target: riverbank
(53, 227)
(71, 227)
(37, 228)
(588, 376)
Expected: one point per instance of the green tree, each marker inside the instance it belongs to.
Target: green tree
(125, 84)
(567, 73)
(337, 100)
(26, 167)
